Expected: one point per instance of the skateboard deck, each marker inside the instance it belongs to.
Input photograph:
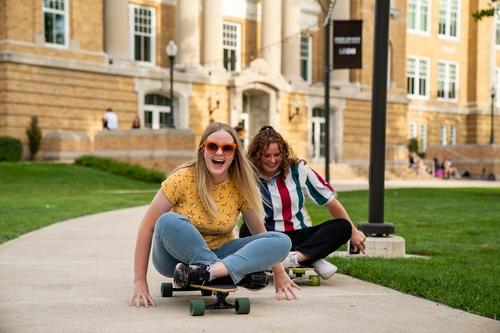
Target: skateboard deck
(197, 307)
(297, 274)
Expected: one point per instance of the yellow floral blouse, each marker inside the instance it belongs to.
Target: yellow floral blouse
(180, 189)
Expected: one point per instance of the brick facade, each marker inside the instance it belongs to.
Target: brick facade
(69, 88)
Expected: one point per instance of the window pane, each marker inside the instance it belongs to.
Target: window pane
(303, 69)
(410, 84)
(137, 47)
(148, 119)
(412, 13)
(49, 27)
(424, 12)
(231, 45)
(147, 49)
(59, 31)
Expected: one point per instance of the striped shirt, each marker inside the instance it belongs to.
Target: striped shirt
(284, 202)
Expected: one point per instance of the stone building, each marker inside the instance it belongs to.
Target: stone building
(254, 62)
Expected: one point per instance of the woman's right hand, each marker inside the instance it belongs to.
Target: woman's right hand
(141, 295)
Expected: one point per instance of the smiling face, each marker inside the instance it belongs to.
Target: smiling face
(271, 160)
(218, 163)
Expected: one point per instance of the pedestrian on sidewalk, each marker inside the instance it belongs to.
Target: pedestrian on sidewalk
(191, 218)
(285, 184)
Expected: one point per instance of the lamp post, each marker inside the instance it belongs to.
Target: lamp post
(171, 53)
(492, 135)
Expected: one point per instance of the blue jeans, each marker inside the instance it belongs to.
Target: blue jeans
(177, 240)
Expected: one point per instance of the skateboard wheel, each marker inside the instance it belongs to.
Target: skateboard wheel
(314, 280)
(206, 292)
(242, 306)
(197, 307)
(167, 289)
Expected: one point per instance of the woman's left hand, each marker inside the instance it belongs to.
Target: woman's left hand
(284, 286)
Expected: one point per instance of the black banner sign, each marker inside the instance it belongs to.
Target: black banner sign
(347, 43)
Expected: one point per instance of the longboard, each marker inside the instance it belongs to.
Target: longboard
(197, 307)
(297, 274)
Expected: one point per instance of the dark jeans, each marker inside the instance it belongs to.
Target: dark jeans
(317, 241)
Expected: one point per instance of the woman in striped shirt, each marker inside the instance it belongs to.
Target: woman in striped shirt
(285, 183)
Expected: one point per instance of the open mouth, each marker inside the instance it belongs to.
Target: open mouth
(218, 162)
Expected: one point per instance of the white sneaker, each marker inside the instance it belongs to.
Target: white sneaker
(324, 268)
(290, 260)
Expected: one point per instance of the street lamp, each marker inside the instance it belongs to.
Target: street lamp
(171, 53)
(492, 136)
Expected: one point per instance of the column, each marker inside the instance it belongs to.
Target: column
(291, 40)
(188, 33)
(212, 35)
(116, 43)
(271, 34)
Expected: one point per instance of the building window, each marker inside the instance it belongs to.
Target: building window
(422, 147)
(448, 18)
(417, 72)
(447, 81)
(306, 58)
(443, 135)
(143, 33)
(318, 131)
(231, 41)
(55, 22)
(497, 87)
(453, 135)
(418, 16)
(157, 112)
(413, 131)
(497, 25)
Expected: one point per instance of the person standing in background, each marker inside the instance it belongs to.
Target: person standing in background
(110, 120)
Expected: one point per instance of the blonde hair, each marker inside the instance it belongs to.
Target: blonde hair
(241, 171)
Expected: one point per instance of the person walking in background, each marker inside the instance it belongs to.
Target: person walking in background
(110, 120)
(191, 219)
(240, 130)
(285, 184)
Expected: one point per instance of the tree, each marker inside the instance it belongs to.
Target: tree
(34, 137)
(485, 12)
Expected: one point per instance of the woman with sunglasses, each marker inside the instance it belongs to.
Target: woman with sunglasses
(285, 184)
(190, 224)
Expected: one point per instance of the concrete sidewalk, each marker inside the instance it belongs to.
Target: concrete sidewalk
(76, 276)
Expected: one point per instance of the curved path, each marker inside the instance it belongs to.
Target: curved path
(75, 276)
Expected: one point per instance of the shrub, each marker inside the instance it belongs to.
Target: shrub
(34, 137)
(121, 168)
(11, 149)
(413, 145)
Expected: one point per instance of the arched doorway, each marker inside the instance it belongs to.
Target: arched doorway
(255, 110)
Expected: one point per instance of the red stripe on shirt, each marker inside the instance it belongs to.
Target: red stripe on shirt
(286, 204)
(322, 181)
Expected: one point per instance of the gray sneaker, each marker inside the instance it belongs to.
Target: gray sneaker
(324, 269)
(290, 260)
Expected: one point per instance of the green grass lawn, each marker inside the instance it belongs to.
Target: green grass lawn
(459, 231)
(35, 195)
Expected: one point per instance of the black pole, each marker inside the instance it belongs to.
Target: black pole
(171, 58)
(376, 225)
(492, 136)
(327, 98)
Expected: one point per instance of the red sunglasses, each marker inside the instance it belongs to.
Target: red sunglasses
(227, 148)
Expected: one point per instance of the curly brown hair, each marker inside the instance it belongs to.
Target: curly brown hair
(261, 142)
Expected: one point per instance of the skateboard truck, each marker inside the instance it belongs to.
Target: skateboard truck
(197, 307)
